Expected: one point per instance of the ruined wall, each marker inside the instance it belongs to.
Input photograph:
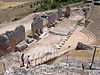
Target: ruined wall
(60, 12)
(67, 12)
(37, 26)
(4, 45)
(16, 36)
(51, 18)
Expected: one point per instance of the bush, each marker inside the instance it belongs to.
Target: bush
(55, 5)
(39, 9)
(15, 19)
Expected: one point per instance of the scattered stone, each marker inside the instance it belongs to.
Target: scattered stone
(21, 46)
(29, 40)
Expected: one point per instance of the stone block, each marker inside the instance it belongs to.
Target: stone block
(37, 26)
(21, 46)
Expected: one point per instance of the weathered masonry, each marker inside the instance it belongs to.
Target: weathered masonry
(4, 45)
(37, 26)
(10, 39)
(51, 19)
(67, 12)
(60, 13)
(16, 36)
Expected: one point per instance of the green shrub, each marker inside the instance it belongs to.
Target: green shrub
(39, 9)
(15, 19)
(55, 5)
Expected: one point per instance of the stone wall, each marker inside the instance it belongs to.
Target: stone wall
(16, 36)
(60, 12)
(4, 44)
(51, 18)
(10, 39)
(37, 26)
(67, 12)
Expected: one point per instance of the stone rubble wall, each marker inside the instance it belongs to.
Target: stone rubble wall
(37, 26)
(16, 36)
(4, 45)
(10, 39)
(67, 12)
(51, 18)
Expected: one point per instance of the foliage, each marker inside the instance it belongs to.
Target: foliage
(51, 4)
(55, 5)
(38, 9)
(15, 19)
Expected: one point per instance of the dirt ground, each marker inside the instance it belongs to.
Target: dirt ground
(9, 4)
(12, 11)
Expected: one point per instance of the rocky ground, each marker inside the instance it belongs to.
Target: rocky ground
(64, 67)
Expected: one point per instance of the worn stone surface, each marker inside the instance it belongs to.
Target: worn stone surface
(37, 26)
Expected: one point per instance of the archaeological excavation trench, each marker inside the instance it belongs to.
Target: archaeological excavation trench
(50, 36)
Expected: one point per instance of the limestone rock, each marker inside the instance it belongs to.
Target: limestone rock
(21, 46)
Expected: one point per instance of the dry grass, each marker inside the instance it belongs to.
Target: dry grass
(10, 4)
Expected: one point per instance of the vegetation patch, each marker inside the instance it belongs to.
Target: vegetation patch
(15, 19)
